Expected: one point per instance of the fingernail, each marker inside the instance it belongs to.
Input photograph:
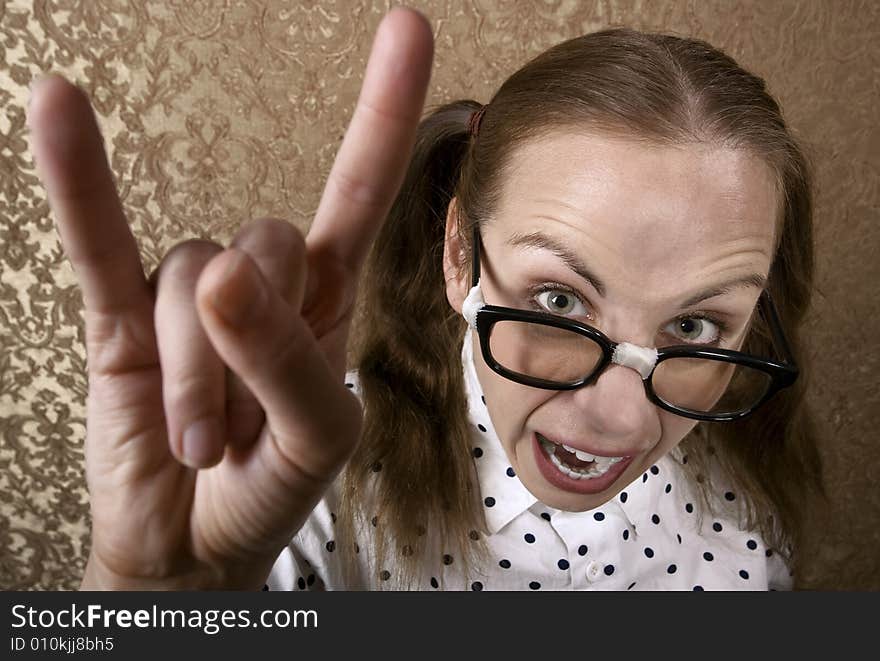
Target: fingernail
(199, 442)
(240, 294)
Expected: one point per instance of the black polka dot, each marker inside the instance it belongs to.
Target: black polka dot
(265, 588)
(644, 477)
(582, 549)
(481, 428)
(331, 545)
(374, 521)
(478, 452)
(631, 585)
(310, 579)
(476, 586)
(679, 537)
(545, 516)
(529, 537)
(609, 569)
(708, 557)
(689, 508)
(623, 496)
(434, 582)
(474, 535)
(504, 564)
(668, 488)
(684, 459)
(698, 588)
(483, 398)
(655, 519)
(510, 472)
(406, 551)
(671, 569)
(768, 553)
(730, 495)
(534, 585)
(599, 516)
(349, 385)
(333, 517)
(562, 564)
(649, 552)
(301, 583)
(385, 575)
(626, 534)
(377, 466)
(752, 544)
(357, 549)
(447, 559)
(489, 501)
(743, 574)
(654, 470)
(716, 527)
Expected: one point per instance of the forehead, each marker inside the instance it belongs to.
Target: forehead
(641, 200)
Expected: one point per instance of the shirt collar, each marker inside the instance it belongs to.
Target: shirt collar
(504, 495)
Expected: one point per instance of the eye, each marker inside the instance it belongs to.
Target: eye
(559, 300)
(699, 329)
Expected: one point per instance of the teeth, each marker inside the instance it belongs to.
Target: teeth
(580, 454)
(600, 467)
(584, 456)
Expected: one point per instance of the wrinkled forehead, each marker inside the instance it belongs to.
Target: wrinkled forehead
(618, 193)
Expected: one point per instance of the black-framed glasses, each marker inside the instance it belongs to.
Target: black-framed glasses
(548, 351)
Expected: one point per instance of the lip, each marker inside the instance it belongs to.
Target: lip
(566, 483)
(626, 454)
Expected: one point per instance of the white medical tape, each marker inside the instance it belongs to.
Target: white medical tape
(641, 359)
(472, 305)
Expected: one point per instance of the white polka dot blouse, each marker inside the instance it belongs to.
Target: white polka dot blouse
(648, 537)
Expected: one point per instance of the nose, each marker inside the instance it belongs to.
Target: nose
(615, 406)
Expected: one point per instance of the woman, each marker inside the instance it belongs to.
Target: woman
(619, 193)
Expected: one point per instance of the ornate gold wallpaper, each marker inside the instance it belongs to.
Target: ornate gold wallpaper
(218, 112)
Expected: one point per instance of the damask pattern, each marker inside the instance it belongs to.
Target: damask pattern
(218, 112)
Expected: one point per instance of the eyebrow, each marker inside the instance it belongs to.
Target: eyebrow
(546, 242)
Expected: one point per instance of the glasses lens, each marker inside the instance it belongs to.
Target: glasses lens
(705, 385)
(544, 352)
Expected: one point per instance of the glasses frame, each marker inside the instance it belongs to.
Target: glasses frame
(782, 374)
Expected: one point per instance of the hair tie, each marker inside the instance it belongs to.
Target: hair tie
(475, 119)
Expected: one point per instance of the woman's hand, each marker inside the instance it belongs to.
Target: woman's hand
(217, 412)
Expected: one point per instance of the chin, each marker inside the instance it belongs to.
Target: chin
(570, 502)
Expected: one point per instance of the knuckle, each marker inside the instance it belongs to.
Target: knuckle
(358, 190)
(278, 248)
(189, 395)
(270, 233)
(188, 258)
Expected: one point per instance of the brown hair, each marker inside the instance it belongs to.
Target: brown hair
(414, 464)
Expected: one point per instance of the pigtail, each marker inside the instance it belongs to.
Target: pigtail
(413, 465)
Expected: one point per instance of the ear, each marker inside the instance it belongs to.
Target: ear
(455, 270)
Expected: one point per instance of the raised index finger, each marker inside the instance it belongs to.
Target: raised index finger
(372, 160)
(70, 157)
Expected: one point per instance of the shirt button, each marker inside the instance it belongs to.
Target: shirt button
(594, 571)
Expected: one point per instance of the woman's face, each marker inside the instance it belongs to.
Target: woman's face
(654, 226)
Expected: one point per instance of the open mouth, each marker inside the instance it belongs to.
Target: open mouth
(574, 463)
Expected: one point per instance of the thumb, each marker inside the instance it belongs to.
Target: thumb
(312, 416)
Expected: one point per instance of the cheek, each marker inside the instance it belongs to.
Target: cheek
(675, 428)
(509, 403)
